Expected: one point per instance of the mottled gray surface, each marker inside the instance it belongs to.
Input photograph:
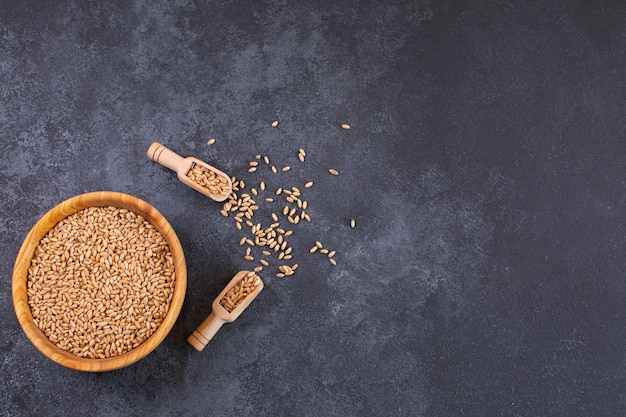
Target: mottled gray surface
(485, 167)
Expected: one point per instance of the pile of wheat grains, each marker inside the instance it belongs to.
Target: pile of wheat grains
(209, 179)
(240, 291)
(267, 240)
(100, 282)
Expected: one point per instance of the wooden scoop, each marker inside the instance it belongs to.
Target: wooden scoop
(183, 166)
(224, 313)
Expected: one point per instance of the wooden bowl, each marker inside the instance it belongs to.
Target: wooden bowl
(26, 253)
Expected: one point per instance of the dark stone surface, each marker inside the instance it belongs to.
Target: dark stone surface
(485, 167)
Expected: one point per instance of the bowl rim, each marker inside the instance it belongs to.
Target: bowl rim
(26, 253)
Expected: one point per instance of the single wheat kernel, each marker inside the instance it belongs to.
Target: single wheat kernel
(266, 160)
(332, 261)
(266, 253)
(279, 191)
(301, 157)
(248, 258)
(280, 275)
(324, 251)
(331, 254)
(257, 156)
(286, 168)
(318, 244)
(269, 199)
(352, 223)
(301, 151)
(274, 169)
(262, 186)
(211, 141)
(242, 241)
(253, 169)
(264, 262)
(274, 217)
(253, 163)
(288, 232)
(333, 171)
(313, 249)
(258, 269)
(345, 126)
(275, 123)
(308, 184)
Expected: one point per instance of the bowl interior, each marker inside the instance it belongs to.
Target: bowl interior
(26, 253)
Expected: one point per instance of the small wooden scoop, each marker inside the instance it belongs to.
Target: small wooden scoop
(183, 166)
(221, 314)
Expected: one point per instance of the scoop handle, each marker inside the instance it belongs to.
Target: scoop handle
(166, 157)
(205, 332)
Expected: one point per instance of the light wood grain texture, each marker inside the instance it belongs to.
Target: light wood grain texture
(219, 315)
(170, 159)
(25, 254)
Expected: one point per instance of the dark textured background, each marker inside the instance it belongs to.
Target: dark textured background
(486, 169)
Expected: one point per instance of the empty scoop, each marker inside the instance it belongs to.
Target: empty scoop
(228, 305)
(197, 174)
